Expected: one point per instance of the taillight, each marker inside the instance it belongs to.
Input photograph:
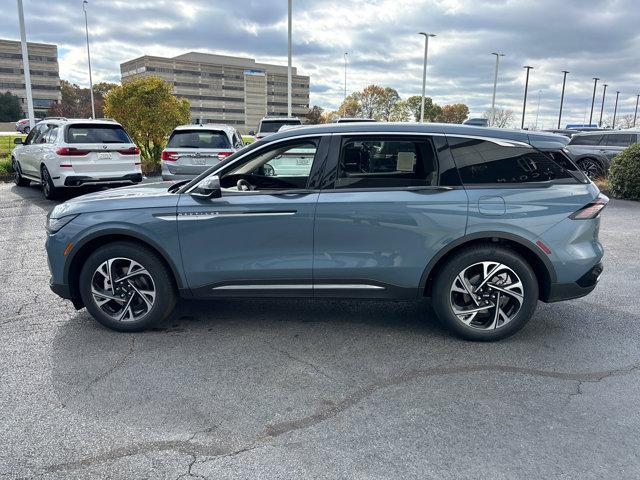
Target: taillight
(592, 209)
(129, 151)
(71, 152)
(223, 155)
(169, 156)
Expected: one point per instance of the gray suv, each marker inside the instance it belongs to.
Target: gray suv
(484, 221)
(593, 151)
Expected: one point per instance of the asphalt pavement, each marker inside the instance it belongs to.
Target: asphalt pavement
(266, 389)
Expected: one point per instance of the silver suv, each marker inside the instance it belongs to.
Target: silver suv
(192, 149)
(593, 151)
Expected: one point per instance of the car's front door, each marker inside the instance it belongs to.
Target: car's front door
(258, 241)
(28, 153)
(389, 203)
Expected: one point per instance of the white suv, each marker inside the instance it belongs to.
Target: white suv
(60, 153)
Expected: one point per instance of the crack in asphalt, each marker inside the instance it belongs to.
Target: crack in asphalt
(190, 448)
(117, 364)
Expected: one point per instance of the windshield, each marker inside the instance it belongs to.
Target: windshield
(273, 126)
(97, 134)
(198, 139)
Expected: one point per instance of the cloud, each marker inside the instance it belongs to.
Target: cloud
(587, 37)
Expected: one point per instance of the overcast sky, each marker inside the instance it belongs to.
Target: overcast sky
(587, 37)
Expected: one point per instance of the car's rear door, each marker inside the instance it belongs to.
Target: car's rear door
(389, 203)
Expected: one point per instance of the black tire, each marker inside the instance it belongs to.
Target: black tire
(165, 292)
(591, 167)
(444, 281)
(16, 173)
(49, 190)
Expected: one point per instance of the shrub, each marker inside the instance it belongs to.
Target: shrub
(5, 168)
(624, 174)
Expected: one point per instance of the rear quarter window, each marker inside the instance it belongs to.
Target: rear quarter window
(585, 140)
(484, 162)
(81, 133)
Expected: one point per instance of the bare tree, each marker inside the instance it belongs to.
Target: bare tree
(625, 121)
(500, 118)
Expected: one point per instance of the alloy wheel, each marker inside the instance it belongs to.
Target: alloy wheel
(590, 168)
(15, 174)
(486, 295)
(46, 185)
(123, 289)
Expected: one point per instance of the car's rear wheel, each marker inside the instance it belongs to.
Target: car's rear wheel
(127, 287)
(16, 174)
(485, 293)
(591, 168)
(50, 191)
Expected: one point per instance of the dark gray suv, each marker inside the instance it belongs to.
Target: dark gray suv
(593, 151)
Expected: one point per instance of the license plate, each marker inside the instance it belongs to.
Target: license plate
(199, 161)
(104, 155)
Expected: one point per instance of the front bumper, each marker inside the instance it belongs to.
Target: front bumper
(568, 291)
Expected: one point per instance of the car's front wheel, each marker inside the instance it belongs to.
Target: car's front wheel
(16, 174)
(591, 168)
(127, 287)
(486, 293)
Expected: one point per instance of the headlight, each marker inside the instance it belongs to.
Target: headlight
(55, 224)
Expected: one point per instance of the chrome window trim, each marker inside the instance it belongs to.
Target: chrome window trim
(499, 141)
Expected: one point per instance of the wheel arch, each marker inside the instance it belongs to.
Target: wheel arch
(541, 265)
(89, 244)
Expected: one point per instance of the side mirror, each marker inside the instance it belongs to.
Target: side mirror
(18, 141)
(208, 188)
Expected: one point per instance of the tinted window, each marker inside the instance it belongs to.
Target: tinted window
(40, 133)
(585, 140)
(198, 139)
(484, 162)
(377, 162)
(619, 139)
(97, 134)
(274, 126)
(32, 134)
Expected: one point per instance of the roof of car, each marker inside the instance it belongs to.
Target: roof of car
(537, 139)
(63, 120)
(206, 126)
(280, 119)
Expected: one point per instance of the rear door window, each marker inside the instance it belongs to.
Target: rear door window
(87, 133)
(619, 139)
(585, 140)
(198, 139)
(486, 162)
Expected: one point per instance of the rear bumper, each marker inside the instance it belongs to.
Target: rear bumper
(79, 180)
(567, 291)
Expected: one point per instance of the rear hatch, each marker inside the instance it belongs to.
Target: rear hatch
(190, 152)
(99, 150)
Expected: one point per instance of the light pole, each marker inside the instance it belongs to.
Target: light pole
(526, 87)
(635, 116)
(424, 71)
(86, 28)
(495, 86)
(564, 82)
(615, 110)
(289, 61)
(25, 65)
(604, 92)
(538, 109)
(346, 54)
(593, 98)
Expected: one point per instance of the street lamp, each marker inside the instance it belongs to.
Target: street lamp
(424, 71)
(86, 28)
(346, 54)
(635, 116)
(526, 87)
(615, 110)
(25, 66)
(495, 86)
(289, 61)
(593, 98)
(564, 81)
(604, 92)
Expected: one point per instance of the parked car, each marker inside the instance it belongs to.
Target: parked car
(484, 221)
(192, 149)
(270, 125)
(352, 120)
(22, 126)
(67, 153)
(593, 151)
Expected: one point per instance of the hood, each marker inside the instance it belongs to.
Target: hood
(148, 195)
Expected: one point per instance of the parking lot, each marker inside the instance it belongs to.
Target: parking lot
(315, 389)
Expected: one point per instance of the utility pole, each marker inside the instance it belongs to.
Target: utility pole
(564, 81)
(615, 110)
(604, 92)
(289, 62)
(495, 86)
(25, 66)
(346, 54)
(526, 87)
(635, 116)
(424, 71)
(86, 29)
(593, 98)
